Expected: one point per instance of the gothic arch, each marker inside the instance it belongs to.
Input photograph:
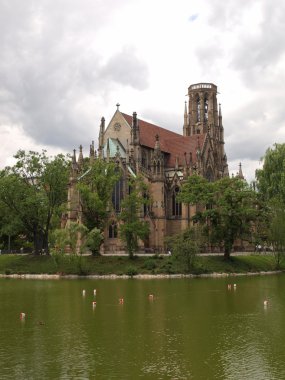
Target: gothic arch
(176, 205)
(113, 230)
(209, 174)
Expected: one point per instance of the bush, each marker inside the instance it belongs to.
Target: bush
(149, 264)
(8, 271)
(131, 271)
(167, 267)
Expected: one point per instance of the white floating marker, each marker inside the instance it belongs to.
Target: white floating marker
(94, 292)
(83, 292)
(22, 316)
(94, 304)
(265, 303)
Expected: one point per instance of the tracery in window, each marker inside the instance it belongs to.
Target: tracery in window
(117, 195)
(206, 108)
(176, 205)
(113, 230)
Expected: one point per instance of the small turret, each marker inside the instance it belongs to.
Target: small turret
(157, 145)
(80, 157)
(101, 137)
(157, 160)
(186, 131)
(135, 130)
(91, 153)
(240, 173)
(74, 166)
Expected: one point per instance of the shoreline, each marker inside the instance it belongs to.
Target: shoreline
(137, 276)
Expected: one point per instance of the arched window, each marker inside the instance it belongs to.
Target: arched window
(113, 230)
(145, 204)
(117, 195)
(144, 160)
(158, 167)
(198, 109)
(176, 205)
(209, 174)
(206, 108)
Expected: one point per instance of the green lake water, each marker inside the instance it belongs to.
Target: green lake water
(191, 329)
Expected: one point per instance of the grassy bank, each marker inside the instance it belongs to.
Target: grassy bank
(88, 265)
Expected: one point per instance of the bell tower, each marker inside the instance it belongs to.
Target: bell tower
(202, 109)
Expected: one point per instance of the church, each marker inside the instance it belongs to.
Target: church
(164, 158)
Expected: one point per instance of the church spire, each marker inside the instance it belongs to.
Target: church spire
(91, 154)
(185, 125)
(135, 130)
(80, 157)
(220, 116)
(240, 173)
(101, 137)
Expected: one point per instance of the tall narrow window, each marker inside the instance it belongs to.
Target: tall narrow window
(198, 109)
(144, 160)
(145, 204)
(206, 107)
(158, 167)
(113, 230)
(117, 195)
(176, 205)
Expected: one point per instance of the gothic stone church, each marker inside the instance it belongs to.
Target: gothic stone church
(164, 158)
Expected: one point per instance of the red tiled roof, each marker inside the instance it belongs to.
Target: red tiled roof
(170, 142)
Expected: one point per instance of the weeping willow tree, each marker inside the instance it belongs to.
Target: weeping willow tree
(270, 182)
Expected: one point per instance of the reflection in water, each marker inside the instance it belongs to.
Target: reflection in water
(191, 329)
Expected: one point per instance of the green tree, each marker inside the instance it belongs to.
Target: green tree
(33, 190)
(270, 181)
(95, 186)
(77, 237)
(94, 241)
(132, 227)
(10, 228)
(271, 178)
(185, 246)
(227, 208)
(276, 234)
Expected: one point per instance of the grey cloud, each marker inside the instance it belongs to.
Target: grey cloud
(249, 131)
(125, 68)
(256, 54)
(208, 56)
(49, 66)
(226, 15)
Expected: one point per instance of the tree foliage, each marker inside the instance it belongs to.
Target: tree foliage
(132, 227)
(270, 182)
(94, 241)
(227, 208)
(95, 187)
(271, 178)
(33, 190)
(185, 246)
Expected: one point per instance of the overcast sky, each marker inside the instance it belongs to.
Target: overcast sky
(66, 63)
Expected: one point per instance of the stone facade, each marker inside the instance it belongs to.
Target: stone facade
(165, 159)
